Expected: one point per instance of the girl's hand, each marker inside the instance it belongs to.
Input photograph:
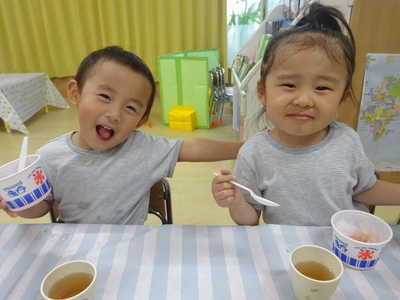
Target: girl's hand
(4, 207)
(224, 192)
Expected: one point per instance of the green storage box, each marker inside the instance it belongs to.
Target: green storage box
(184, 80)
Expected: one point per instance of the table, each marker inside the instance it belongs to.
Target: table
(180, 262)
(22, 95)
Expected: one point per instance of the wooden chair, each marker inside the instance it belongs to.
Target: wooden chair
(159, 205)
(160, 201)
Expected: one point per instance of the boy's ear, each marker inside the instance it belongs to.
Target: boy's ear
(73, 91)
(142, 121)
(261, 92)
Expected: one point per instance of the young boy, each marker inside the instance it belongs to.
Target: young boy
(103, 172)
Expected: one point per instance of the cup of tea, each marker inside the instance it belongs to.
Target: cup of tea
(73, 280)
(315, 272)
(358, 238)
(25, 188)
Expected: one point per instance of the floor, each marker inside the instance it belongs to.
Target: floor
(190, 186)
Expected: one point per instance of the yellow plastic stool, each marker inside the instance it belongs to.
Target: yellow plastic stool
(182, 117)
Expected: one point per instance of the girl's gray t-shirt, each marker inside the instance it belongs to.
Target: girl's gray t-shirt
(111, 186)
(309, 183)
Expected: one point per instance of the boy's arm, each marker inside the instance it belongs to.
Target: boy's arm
(382, 193)
(36, 211)
(198, 150)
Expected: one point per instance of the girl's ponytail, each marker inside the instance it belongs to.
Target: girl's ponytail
(325, 19)
(319, 26)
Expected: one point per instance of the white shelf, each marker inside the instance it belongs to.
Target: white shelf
(248, 112)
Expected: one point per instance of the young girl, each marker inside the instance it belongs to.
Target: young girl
(103, 172)
(310, 164)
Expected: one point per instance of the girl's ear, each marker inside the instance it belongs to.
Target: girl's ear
(261, 92)
(73, 91)
(348, 94)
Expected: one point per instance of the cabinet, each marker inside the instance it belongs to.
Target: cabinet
(184, 80)
(248, 112)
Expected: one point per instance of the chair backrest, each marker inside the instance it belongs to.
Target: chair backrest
(160, 201)
(54, 213)
(159, 205)
(371, 208)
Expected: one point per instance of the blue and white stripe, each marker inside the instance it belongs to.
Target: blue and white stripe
(353, 262)
(38, 193)
(181, 262)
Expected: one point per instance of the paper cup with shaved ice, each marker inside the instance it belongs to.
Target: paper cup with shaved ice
(25, 188)
(359, 238)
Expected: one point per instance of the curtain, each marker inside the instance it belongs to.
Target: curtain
(52, 36)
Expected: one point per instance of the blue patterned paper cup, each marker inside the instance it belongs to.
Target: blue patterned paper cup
(356, 254)
(26, 188)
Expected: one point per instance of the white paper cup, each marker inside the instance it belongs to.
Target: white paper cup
(307, 288)
(26, 188)
(352, 252)
(64, 270)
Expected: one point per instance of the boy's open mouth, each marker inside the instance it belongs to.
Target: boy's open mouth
(104, 133)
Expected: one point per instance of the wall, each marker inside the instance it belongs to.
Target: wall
(376, 27)
(52, 36)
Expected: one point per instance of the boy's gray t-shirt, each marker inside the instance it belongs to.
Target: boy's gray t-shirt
(309, 183)
(111, 186)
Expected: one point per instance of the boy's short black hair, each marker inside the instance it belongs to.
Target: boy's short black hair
(120, 56)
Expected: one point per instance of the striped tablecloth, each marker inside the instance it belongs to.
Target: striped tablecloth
(22, 95)
(180, 262)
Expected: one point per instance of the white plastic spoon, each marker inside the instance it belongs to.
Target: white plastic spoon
(23, 153)
(252, 194)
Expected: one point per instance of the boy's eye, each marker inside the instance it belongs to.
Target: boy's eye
(104, 96)
(132, 108)
(323, 88)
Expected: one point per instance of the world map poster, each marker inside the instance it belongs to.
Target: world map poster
(379, 118)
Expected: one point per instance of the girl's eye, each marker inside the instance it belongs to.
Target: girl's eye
(323, 88)
(288, 85)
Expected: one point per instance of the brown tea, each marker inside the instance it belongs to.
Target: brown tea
(70, 285)
(314, 270)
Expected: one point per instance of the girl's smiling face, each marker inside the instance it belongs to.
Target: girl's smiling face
(111, 105)
(301, 93)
